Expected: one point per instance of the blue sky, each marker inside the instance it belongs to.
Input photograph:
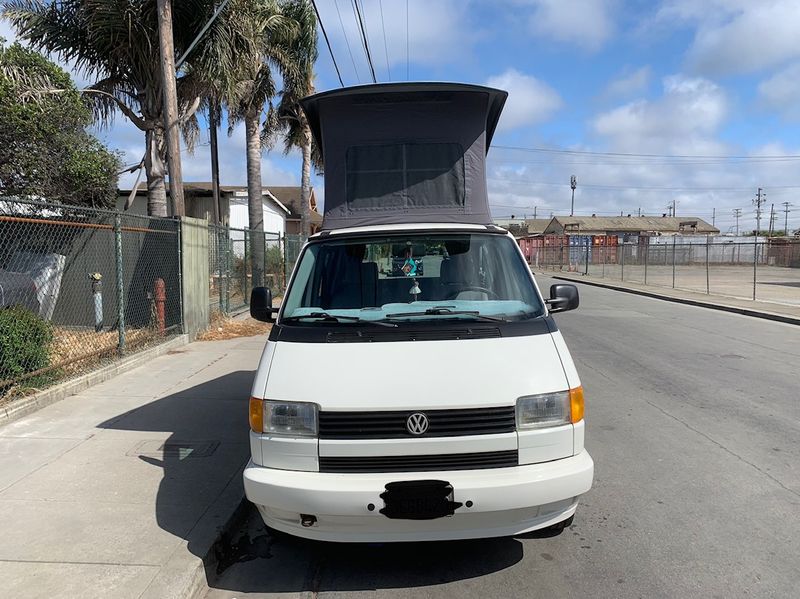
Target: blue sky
(671, 77)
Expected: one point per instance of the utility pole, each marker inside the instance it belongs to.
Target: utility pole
(573, 183)
(786, 218)
(737, 212)
(213, 117)
(771, 219)
(713, 217)
(760, 199)
(674, 208)
(669, 209)
(534, 212)
(171, 125)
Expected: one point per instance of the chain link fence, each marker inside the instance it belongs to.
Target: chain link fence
(766, 269)
(230, 265)
(79, 287)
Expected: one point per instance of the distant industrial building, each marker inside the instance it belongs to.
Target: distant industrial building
(628, 226)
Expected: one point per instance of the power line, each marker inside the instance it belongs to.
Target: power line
(327, 42)
(679, 156)
(364, 41)
(347, 41)
(601, 186)
(385, 43)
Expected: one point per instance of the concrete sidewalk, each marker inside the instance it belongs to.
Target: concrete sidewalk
(121, 490)
(787, 313)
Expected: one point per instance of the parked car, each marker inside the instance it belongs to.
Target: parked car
(414, 385)
(32, 280)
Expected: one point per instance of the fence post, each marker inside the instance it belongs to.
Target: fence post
(622, 260)
(244, 269)
(646, 259)
(220, 279)
(120, 284)
(755, 267)
(708, 281)
(285, 254)
(673, 260)
(227, 270)
(588, 246)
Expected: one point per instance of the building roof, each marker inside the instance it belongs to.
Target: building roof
(290, 197)
(631, 224)
(520, 227)
(286, 197)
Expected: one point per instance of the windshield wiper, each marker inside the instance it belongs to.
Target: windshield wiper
(446, 311)
(325, 317)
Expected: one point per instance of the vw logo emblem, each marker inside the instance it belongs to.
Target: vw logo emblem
(417, 423)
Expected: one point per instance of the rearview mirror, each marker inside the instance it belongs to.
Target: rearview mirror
(563, 297)
(261, 304)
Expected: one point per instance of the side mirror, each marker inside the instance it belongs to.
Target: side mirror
(562, 298)
(261, 304)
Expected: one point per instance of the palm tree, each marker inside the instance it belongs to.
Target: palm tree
(288, 122)
(254, 38)
(115, 42)
(288, 119)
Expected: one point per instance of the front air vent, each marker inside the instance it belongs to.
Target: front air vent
(420, 463)
(402, 334)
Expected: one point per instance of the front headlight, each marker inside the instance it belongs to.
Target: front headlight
(287, 418)
(543, 410)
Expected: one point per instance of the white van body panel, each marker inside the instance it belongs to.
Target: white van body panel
(446, 374)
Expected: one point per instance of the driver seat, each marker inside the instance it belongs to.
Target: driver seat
(457, 273)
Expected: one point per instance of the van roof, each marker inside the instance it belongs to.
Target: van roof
(405, 152)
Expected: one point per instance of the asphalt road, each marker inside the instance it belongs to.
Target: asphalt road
(693, 420)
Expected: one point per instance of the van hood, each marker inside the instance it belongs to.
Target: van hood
(411, 374)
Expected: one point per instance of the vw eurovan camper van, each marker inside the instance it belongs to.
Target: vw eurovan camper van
(414, 385)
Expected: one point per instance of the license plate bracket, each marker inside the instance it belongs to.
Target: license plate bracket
(418, 500)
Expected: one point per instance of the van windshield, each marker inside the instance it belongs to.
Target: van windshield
(411, 278)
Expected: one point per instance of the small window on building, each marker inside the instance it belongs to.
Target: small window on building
(402, 176)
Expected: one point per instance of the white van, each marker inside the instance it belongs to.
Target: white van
(414, 386)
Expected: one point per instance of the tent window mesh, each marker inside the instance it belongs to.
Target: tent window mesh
(402, 176)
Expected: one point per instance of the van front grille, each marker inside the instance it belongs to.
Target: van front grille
(392, 425)
(420, 463)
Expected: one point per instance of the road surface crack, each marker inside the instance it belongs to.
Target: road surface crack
(724, 448)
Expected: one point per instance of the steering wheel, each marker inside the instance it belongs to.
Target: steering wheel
(489, 292)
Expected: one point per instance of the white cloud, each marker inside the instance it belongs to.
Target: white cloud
(530, 101)
(629, 83)
(682, 121)
(584, 23)
(737, 36)
(686, 119)
(782, 92)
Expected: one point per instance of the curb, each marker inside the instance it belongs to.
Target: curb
(187, 573)
(32, 403)
(683, 300)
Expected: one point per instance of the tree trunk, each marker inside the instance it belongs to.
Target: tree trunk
(155, 171)
(255, 206)
(305, 184)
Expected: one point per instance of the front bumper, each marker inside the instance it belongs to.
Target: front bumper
(505, 501)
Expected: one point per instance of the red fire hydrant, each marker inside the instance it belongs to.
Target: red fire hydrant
(160, 295)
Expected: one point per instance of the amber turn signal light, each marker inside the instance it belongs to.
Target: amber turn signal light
(256, 415)
(576, 404)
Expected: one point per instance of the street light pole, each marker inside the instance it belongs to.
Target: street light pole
(573, 183)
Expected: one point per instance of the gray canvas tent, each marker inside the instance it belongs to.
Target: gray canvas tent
(405, 152)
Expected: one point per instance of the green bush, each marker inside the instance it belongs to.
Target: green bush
(24, 342)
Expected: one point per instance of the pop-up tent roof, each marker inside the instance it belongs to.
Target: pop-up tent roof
(405, 152)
